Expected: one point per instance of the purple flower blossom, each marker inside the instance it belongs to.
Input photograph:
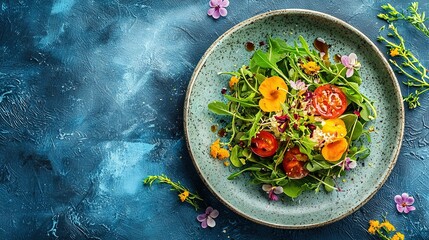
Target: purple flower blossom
(349, 164)
(351, 63)
(298, 85)
(207, 218)
(404, 203)
(272, 191)
(218, 8)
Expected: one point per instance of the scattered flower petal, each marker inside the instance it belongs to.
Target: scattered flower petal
(207, 218)
(404, 203)
(218, 8)
(298, 85)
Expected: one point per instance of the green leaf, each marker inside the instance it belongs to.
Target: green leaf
(236, 174)
(261, 59)
(314, 165)
(357, 131)
(329, 181)
(244, 102)
(219, 108)
(234, 157)
(292, 189)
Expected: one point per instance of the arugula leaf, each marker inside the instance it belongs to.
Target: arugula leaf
(219, 108)
(234, 157)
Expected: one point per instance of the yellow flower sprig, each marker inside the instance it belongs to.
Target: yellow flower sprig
(407, 64)
(402, 58)
(184, 194)
(384, 230)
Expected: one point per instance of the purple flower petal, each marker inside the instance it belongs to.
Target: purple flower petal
(266, 187)
(214, 214)
(399, 207)
(352, 59)
(349, 72)
(273, 197)
(214, 3)
(201, 217)
(211, 222)
(223, 12)
(409, 201)
(398, 199)
(224, 3)
(404, 197)
(345, 61)
(204, 224)
(210, 11)
(209, 210)
(278, 190)
(411, 208)
(216, 14)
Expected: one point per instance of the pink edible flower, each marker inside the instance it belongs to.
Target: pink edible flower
(404, 203)
(207, 218)
(351, 63)
(218, 8)
(272, 191)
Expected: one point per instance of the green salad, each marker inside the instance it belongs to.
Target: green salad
(297, 120)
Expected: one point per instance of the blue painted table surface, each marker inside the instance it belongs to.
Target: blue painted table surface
(92, 96)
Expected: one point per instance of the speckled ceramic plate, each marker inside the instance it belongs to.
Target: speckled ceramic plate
(227, 53)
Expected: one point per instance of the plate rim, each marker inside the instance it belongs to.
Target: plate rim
(386, 65)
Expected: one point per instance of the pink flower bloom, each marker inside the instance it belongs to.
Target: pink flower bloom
(218, 8)
(298, 85)
(404, 203)
(272, 191)
(351, 63)
(207, 218)
(349, 164)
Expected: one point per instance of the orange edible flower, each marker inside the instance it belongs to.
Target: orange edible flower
(217, 152)
(184, 195)
(273, 90)
(394, 52)
(310, 68)
(335, 127)
(398, 236)
(374, 225)
(233, 81)
(333, 151)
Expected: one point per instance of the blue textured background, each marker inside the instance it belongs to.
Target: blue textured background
(91, 103)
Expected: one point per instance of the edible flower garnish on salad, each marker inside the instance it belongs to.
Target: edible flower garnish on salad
(297, 120)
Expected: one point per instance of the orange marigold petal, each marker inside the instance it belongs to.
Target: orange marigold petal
(214, 148)
(233, 81)
(333, 151)
(222, 154)
(274, 91)
(335, 127)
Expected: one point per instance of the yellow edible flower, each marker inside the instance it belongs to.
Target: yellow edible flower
(394, 52)
(273, 90)
(217, 152)
(398, 236)
(374, 225)
(310, 68)
(335, 127)
(233, 81)
(387, 225)
(184, 195)
(334, 151)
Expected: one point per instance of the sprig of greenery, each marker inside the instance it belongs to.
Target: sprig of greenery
(413, 16)
(407, 64)
(184, 193)
(384, 230)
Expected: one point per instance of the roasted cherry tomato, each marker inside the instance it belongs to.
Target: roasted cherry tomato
(329, 101)
(264, 144)
(293, 163)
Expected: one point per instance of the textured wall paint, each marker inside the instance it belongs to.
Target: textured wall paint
(91, 101)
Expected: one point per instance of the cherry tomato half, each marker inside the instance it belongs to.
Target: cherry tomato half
(264, 144)
(329, 101)
(293, 163)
